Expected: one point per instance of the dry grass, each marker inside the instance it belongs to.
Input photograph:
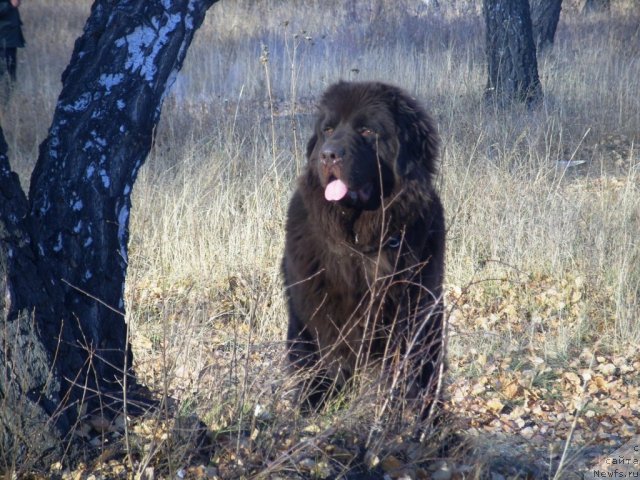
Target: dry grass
(526, 230)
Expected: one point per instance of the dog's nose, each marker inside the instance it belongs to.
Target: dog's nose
(331, 154)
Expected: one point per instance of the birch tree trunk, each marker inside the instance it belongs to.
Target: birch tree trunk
(63, 250)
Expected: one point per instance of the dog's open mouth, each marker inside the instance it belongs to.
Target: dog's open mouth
(336, 190)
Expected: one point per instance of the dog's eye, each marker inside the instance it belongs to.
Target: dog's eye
(366, 132)
(328, 131)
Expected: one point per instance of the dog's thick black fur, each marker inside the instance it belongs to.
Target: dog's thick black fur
(365, 241)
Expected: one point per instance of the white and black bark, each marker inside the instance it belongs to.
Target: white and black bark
(63, 250)
(28, 392)
(511, 53)
(545, 15)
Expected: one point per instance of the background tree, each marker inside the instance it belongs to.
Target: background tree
(596, 6)
(63, 250)
(511, 53)
(545, 15)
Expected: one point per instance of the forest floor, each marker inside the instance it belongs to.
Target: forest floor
(509, 410)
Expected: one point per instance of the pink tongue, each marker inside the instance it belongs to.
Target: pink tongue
(335, 190)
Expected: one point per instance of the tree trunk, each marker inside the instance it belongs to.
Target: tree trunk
(511, 53)
(596, 6)
(545, 15)
(28, 394)
(63, 251)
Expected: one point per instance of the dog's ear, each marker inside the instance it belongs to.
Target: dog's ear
(418, 136)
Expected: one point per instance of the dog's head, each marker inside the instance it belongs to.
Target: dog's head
(368, 137)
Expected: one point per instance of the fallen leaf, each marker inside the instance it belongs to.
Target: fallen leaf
(573, 379)
(371, 460)
(512, 390)
(495, 405)
(598, 384)
(391, 464)
(607, 368)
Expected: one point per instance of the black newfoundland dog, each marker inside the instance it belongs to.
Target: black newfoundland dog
(365, 240)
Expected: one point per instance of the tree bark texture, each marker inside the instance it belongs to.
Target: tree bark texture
(28, 393)
(545, 15)
(63, 251)
(511, 53)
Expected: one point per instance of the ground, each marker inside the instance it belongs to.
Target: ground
(509, 410)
